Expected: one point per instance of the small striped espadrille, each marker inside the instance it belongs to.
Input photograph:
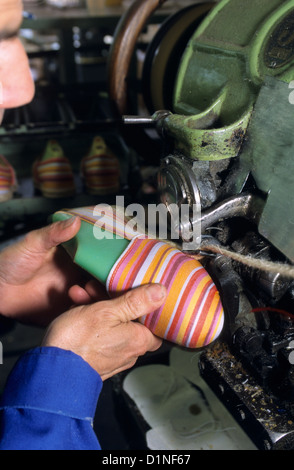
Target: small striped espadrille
(52, 172)
(8, 181)
(100, 169)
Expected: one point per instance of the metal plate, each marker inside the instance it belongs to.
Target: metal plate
(268, 155)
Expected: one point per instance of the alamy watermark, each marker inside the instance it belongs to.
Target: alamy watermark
(154, 220)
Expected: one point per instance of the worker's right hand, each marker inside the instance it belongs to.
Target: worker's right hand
(105, 334)
(38, 279)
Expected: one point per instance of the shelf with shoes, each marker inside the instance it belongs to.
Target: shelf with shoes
(73, 119)
(68, 55)
(52, 179)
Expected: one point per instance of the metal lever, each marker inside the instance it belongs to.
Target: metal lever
(146, 121)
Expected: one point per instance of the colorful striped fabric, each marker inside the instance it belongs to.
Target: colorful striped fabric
(100, 169)
(52, 173)
(192, 315)
(108, 218)
(7, 180)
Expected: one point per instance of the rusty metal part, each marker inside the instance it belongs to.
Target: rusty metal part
(121, 53)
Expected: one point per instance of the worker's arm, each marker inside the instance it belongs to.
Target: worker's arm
(49, 403)
(50, 398)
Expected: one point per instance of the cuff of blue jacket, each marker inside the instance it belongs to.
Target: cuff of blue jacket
(53, 380)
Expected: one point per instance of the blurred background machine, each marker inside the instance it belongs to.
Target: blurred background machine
(195, 100)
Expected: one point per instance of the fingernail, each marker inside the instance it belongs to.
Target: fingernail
(156, 292)
(66, 223)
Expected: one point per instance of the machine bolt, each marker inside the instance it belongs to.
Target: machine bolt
(267, 445)
(221, 387)
(242, 414)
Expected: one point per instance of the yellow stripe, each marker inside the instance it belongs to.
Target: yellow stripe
(191, 308)
(151, 269)
(217, 298)
(173, 295)
(166, 252)
(130, 263)
(208, 321)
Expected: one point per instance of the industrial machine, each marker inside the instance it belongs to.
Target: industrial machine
(217, 82)
(217, 85)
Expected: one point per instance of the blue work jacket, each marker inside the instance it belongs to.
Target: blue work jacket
(49, 403)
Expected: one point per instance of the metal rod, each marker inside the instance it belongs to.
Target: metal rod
(247, 205)
(138, 120)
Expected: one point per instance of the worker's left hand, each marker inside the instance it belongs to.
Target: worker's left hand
(106, 334)
(39, 281)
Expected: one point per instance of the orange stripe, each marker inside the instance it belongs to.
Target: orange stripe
(218, 321)
(205, 320)
(153, 267)
(192, 308)
(211, 313)
(172, 298)
(135, 268)
(130, 265)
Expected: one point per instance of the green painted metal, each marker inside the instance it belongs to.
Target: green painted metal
(268, 156)
(206, 144)
(223, 68)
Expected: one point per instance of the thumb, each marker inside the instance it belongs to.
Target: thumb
(139, 302)
(44, 239)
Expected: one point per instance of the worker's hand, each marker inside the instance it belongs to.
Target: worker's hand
(38, 280)
(105, 334)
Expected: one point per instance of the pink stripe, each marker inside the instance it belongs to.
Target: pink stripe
(199, 276)
(164, 254)
(122, 266)
(153, 318)
(167, 275)
(218, 313)
(136, 266)
(168, 280)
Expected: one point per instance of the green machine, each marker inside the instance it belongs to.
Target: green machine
(233, 84)
(218, 82)
(227, 93)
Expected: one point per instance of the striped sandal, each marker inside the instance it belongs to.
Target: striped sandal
(52, 173)
(192, 315)
(100, 169)
(8, 183)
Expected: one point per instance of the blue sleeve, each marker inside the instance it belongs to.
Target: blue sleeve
(49, 403)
